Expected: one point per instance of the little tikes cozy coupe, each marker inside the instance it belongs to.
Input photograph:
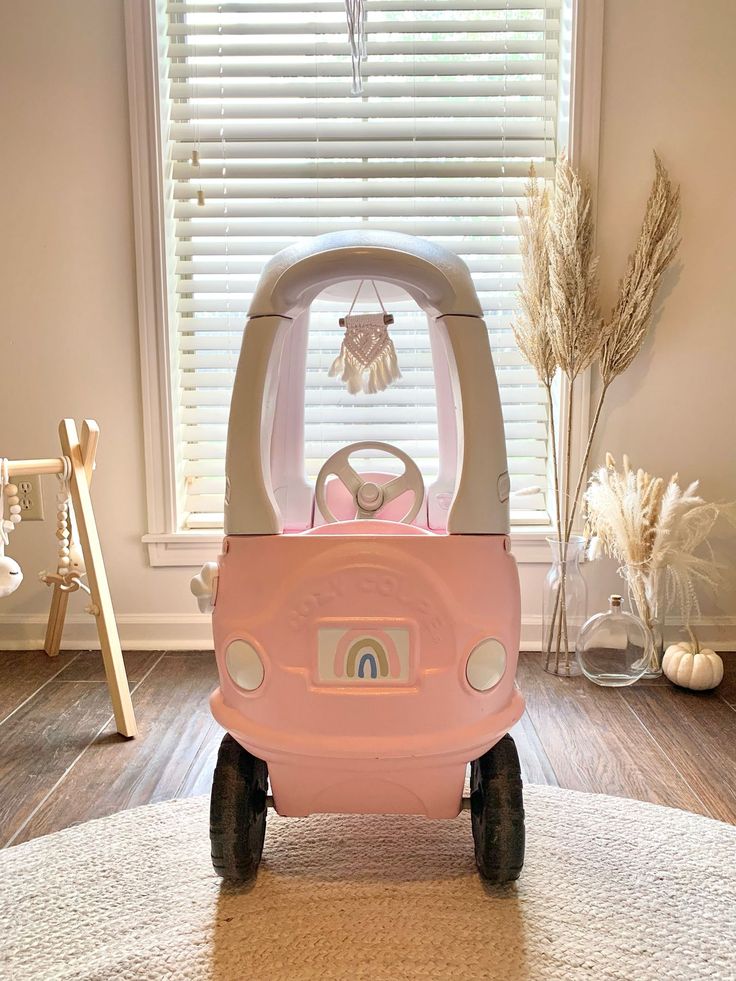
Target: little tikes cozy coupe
(366, 630)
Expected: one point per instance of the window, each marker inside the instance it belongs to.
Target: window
(460, 96)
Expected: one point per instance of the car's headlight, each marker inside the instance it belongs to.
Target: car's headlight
(486, 664)
(244, 665)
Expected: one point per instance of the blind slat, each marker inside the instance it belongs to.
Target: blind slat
(303, 226)
(369, 130)
(295, 25)
(380, 49)
(521, 433)
(326, 396)
(307, 7)
(531, 470)
(213, 111)
(339, 434)
(244, 285)
(218, 69)
(200, 415)
(236, 266)
(224, 88)
(227, 245)
(405, 149)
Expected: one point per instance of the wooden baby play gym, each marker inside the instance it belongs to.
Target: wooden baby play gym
(80, 564)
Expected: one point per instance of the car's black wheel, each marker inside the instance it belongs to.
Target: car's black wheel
(497, 812)
(237, 812)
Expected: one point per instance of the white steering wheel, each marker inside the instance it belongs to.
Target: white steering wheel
(370, 498)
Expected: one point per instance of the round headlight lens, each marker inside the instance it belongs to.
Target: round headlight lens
(244, 665)
(486, 664)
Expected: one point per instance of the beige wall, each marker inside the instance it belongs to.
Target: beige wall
(669, 82)
(69, 339)
(68, 298)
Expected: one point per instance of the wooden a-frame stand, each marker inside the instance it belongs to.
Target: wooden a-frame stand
(81, 454)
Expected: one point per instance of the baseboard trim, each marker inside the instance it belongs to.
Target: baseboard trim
(716, 632)
(193, 631)
(138, 632)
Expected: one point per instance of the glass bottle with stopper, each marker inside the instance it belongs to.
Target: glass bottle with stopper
(613, 647)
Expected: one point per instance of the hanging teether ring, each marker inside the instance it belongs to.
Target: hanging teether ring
(369, 497)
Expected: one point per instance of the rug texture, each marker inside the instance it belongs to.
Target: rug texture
(611, 889)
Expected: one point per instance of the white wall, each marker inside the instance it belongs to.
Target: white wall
(69, 343)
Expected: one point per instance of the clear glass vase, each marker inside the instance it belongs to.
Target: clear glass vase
(613, 647)
(648, 599)
(564, 606)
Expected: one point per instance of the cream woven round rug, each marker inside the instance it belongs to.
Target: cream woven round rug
(611, 889)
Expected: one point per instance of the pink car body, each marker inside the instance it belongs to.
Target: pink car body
(350, 653)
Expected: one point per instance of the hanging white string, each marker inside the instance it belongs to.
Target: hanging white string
(387, 317)
(356, 16)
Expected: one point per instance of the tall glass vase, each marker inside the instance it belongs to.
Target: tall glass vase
(648, 598)
(564, 607)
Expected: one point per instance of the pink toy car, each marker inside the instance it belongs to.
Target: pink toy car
(367, 629)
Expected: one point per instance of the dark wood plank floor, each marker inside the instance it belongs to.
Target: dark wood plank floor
(61, 761)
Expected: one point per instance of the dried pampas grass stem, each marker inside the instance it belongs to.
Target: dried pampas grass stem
(532, 328)
(560, 326)
(626, 329)
(655, 250)
(574, 322)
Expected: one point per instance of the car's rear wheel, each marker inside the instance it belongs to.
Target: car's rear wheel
(237, 812)
(497, 812)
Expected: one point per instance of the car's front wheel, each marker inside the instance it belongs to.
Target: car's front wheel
(237, 812)
(497, 812)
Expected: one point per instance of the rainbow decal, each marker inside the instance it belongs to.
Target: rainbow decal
(357, 653)
(362, 655)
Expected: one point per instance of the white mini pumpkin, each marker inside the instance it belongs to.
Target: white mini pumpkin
(691, 666)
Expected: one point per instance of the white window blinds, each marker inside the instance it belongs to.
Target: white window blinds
(460, 96)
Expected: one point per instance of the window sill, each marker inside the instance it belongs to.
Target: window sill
(194, 548)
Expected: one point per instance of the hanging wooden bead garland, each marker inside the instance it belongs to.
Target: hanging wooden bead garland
(367, 360)
(62, 521)
(70, 567)
(11, 575)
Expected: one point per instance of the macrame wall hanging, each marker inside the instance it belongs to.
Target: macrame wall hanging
(356, 15)
(367, 360)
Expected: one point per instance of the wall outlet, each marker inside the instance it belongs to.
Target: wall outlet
(31, 498)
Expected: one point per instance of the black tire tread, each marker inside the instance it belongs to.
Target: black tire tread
(237, 812)
(497, 812)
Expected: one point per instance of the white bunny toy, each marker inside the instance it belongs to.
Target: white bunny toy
(10, 575)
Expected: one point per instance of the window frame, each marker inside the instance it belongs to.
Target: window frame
(166, 544)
